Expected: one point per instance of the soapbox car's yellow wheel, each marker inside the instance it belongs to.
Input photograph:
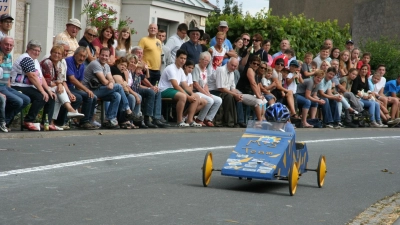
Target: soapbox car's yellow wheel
(321, 171)
(293, 179)
(207, 169)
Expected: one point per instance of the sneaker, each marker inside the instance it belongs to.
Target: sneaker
(58, 128)
(65, 127)
(336, 125)
(329, 125)
(382, 125)
(391, 122)
(87, 126)
(375, 125)
(194, 124)
(3, 127)
(75, 115)
(163, 120)
(95, 124)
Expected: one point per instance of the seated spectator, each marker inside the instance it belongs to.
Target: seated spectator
(122, 77)
(267, 46)
(255, 50)
(266, 82)
(388, 101)
(360, 88)
(287, 56)
(282, 94)
(204, 41)
(335, 53)
(3, 126)
(222, 84)
(237, 46)
(173, 85)
(307, 97)
(324, 66)
(75, 76)
(354, 57)
(200, 84)
(86, 41)
(98, 78)
(69, 35)
(27, 77)
(344, 63)
(366, 58)
(217, 52)
(54, 73)
(15, 100)
(105, 40)
(331, 114)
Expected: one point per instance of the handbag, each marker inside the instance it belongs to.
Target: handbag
(94, 83)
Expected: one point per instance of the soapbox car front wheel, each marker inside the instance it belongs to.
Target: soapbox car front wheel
(321, 171)
(207, 169)
(293, 179)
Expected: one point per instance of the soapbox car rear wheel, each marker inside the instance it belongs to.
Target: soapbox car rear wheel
(293, 179)
(207, 169)
(321, 171)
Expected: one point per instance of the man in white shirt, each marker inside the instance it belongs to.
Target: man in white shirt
(173, 85)
(174, 43)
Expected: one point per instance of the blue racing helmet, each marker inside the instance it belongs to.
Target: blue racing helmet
(277, 113)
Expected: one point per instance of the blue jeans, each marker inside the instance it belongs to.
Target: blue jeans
(330, 111)
(88, 105)
(239, 112)
(15, 103)
(151, 103)
(304, 102)
(132, 104)
(2, 109)
(114, 96)
(37, 102)
(373, 109)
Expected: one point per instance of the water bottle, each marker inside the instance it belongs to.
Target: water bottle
(156, 84)
(46, 123)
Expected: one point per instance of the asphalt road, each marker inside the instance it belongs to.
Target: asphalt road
(155, 178)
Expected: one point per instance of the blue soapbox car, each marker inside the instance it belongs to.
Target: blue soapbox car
(267, 151)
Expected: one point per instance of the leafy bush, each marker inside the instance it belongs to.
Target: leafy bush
(384, 51)
(305, 35)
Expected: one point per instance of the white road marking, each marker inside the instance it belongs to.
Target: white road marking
(82, 162)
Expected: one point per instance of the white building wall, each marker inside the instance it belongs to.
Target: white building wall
(141, 20)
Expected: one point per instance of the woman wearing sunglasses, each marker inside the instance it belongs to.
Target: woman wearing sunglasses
(255, 49)
(86, 41)
(252, 95)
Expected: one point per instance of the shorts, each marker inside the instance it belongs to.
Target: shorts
(169, 93)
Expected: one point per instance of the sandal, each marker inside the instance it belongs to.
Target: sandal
(125, 126)
(194, 124)
(295, 116)
(200, 122)
(208, 123)
(307, 126)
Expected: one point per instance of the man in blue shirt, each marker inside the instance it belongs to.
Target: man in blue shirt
(192, 47)
(230, 52)
(75, 71)
(16, 101)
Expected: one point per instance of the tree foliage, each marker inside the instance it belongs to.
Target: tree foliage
(305, 35)
(232, 7)
(386, 51)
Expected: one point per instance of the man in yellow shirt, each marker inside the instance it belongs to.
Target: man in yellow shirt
(152, 53)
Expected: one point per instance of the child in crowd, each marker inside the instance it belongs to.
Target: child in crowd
(366, 57)
(266, 84)
(306, 69)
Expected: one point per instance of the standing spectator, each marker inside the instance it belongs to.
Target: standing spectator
(162, 36)
(69, 35)
(152, 53)
(175, 41)
(200, 84)
(173, 85)
(15, 100)
(344, 63)
(323, 55)
(192, 47)
(123, 43)
(267, 46)
(105, 40)
(204, 41)
(54, 73)
(108, 90)
(86, 41)
(306, 68)
(255, 50)
(75, 75)
(349, 45)
(6, 22)
(329, 44)
(238, 44)
(335, 53)
(366, 57)
(27, 77)
(354, 58)
(230, 52)
(285, 45)
(217, 52)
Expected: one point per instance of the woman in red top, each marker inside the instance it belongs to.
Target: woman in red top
(105, 39)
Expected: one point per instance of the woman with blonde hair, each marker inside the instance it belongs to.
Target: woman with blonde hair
(86, 41)
(344, 63)
(123, 42)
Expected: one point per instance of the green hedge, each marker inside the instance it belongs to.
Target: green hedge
(304, 34)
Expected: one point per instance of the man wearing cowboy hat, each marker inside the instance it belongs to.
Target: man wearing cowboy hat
(69, 35)
(193, 47)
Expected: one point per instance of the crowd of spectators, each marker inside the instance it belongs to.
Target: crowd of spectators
(210, 81)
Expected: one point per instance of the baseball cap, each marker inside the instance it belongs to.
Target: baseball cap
(223, 23)
(294, 63)
(350, 42)
(5, 16)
